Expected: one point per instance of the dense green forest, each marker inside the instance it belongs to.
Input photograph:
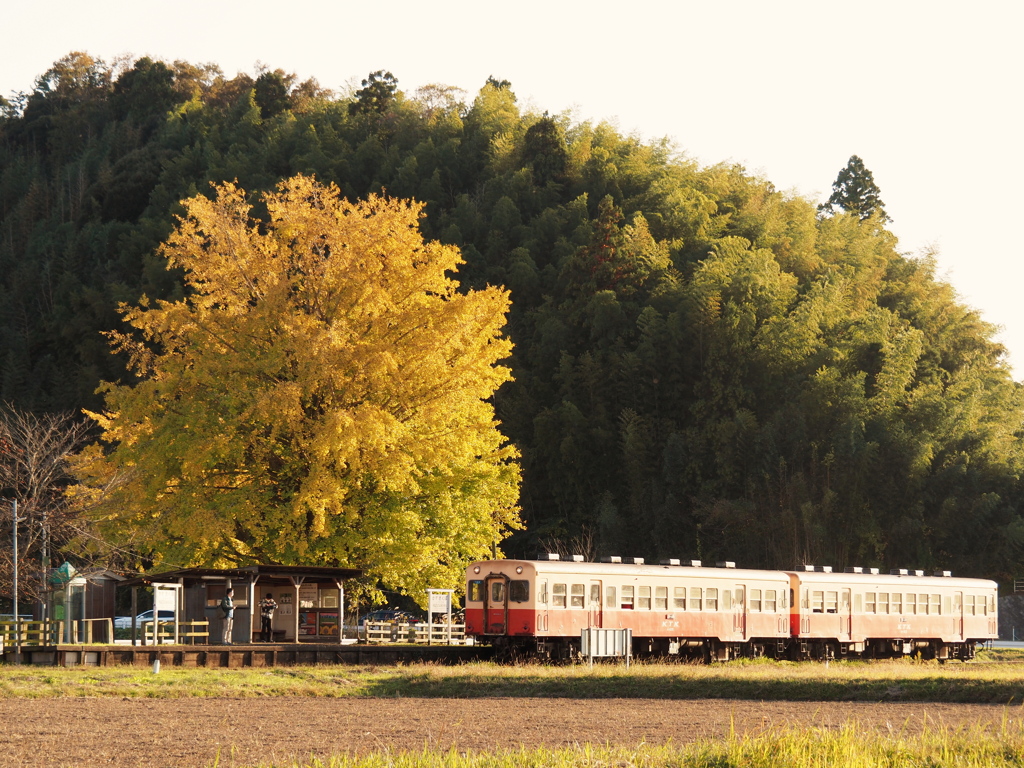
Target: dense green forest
(703, 366)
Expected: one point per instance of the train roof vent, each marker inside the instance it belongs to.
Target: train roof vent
(577, 558)
(898, 572)
(692, 563)
(873, 571)
(854, 569)
(550, 556)
(943, 574)
(611, 559)
(725, 564)
(670, 561)
(824, 569)
(633, 560)
(805, 568)
(918, 573)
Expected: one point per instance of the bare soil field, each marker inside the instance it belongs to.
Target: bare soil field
(238, 732)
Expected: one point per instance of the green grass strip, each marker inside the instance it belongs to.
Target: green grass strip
(987, 683)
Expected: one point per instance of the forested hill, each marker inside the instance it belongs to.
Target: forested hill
(704, 366)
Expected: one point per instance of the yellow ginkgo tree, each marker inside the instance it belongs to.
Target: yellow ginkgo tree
(321, 396)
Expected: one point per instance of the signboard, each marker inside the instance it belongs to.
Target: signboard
(440, 601)
(309, 595)
(328, 623)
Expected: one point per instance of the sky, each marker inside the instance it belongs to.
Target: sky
(928, 94)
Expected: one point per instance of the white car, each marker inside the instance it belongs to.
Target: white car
(125, 622)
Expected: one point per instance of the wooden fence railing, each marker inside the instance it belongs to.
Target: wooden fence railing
(24, 632)
(188, 631)
(435, 634)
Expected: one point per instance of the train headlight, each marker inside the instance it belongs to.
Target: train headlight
(519, 569)
(476, 569)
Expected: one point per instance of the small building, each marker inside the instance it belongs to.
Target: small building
(310, 599)
(78, 598)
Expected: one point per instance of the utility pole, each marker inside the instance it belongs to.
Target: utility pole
(17, 618)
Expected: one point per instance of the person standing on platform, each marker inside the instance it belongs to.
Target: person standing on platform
(267, 608)
(227, 608)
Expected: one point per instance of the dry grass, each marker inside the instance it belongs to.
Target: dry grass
(847, 747)
(998, 682)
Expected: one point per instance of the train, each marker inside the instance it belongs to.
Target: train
(538, 608)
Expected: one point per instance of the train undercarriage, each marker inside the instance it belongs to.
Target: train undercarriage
(708, 650)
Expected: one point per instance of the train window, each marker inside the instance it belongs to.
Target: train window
(933, 607)
(519, 591)
(661, 598)
(755, 600)
(982, 605)
(558, 595)
(577, 595)
(695, 602)
(711, 599)
(609, 597)
(595, 595)
(992, 604)
(782, 598)
(679, 598)
(817, 601)
(770, 602)
(911, 603)
(968, 605)
(869, 602)
(476, 591)
(922, 603)
(627, 598)
(831, 602)
(858, 603)
(883, 602)
(497, 592)
(542, 591)
(643, 598)
(897, 603)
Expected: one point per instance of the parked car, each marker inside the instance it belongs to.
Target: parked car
(125, 622)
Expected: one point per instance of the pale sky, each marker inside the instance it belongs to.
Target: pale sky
(928, 93)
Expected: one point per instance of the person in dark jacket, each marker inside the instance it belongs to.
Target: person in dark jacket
(267, 608)
(227, 609)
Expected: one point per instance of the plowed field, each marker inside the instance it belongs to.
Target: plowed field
(194, 732)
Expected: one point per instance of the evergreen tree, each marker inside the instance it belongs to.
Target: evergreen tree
(854, 191)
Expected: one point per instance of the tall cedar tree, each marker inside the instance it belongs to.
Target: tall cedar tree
(321, 397)
(854, 191)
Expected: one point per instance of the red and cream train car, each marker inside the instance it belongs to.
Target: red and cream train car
(539, 607)
(902, 613)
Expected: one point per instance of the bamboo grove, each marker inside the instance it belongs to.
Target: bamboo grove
(701, 365)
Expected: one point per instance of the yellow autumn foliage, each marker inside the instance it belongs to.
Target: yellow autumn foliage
(320, 397)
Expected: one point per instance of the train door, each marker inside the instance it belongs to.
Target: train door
(958, 614)
(739, 611)
(594, 604)
(844, 615)
(542, 605)
(496, 604)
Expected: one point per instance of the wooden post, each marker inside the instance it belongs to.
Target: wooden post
(135, 613)
(341, 610)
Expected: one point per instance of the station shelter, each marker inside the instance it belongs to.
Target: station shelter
(310, 599)
(75, 599)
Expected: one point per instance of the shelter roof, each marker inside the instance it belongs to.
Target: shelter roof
(264, 574)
